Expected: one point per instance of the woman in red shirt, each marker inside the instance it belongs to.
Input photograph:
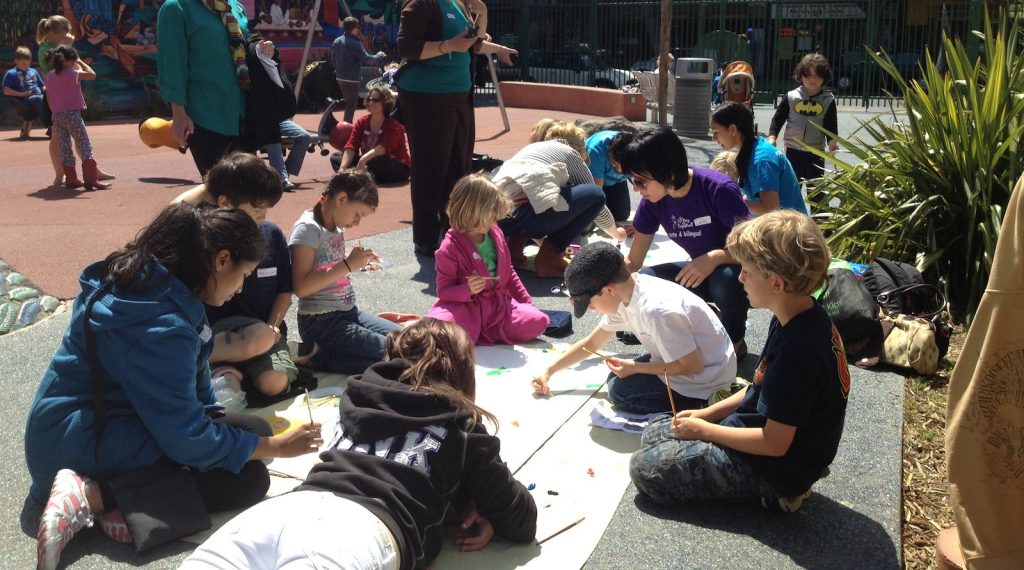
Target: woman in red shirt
(377, 143)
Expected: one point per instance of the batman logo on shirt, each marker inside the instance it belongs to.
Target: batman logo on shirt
(809, 108)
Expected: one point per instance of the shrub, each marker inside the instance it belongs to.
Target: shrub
(933, 190)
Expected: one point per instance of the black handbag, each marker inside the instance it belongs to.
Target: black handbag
(854, 312)
(161, 502)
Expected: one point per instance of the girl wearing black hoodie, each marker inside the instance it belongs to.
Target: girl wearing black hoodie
(411, 453)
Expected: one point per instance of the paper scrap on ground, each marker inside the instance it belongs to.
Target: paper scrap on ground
(604, 416)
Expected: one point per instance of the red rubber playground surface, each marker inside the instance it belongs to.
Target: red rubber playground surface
(50, 233)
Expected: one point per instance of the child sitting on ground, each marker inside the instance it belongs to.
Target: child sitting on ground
(346, 340)
(24, 86)
(64, 95)
(725, 162)
(683, 338)
(477, 287)
(776, 437)
(250, 334)
(412, 451)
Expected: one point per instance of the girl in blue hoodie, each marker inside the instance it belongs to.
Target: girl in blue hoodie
(151, 345)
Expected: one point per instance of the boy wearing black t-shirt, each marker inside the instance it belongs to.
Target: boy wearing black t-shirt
(250, 335)
(776, 437)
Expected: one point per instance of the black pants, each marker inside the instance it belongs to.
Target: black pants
(387, 170)
(807, 165)
(616, 197)
(441, 130)
(221, 489)
(208, 147)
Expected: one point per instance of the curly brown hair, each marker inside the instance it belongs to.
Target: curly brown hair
(816, 62)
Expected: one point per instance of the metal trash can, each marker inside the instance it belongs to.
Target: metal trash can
(692, 104)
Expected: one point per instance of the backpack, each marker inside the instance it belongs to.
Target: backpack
(854, 312)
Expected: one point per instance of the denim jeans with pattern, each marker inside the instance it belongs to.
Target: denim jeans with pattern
(671, 471)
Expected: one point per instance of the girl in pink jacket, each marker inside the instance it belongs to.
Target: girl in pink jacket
(477, 288)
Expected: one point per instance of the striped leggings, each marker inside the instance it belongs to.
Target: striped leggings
(68, 125)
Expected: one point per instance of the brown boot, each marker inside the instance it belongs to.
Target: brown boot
(90, 174)
(515, 248)
(71, 177)
(550, 262)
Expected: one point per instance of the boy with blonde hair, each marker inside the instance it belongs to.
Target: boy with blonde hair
(776, 437)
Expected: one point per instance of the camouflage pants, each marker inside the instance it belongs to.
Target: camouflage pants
(670, 470)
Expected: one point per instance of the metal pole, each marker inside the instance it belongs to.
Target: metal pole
(305, 51)
(663, 79)
(497, 89)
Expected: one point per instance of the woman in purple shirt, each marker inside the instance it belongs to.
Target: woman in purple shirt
(697, 208)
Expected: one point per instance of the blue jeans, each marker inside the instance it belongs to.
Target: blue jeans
(560, 228)
(669, 470)
(722, 287)
(301, 139)
(349, 341)
(28, 108)
(646, 393)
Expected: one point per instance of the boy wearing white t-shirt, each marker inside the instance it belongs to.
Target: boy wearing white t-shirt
(682, 337)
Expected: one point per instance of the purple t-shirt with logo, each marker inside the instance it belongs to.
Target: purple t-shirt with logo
(700, 221)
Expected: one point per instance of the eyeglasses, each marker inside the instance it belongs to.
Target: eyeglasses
(374, 99)
(640, 183)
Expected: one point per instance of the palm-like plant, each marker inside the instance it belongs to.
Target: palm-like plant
(933, 190)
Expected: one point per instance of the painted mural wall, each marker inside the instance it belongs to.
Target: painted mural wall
(118, 39)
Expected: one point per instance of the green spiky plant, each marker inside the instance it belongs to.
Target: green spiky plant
(933, 191)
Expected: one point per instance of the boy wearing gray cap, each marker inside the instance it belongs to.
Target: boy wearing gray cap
(682, 337)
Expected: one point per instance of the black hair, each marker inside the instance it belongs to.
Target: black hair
(358, 186)
(185, 240)
(57, 56)
(244, 178)
(733, 113)
(657, 152)
(618, 144)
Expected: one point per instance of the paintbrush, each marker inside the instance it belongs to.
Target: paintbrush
(309, 408)
(563, 530)
(596, 353)
(671, 399)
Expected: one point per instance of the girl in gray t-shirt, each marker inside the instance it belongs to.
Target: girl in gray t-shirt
(347, 340)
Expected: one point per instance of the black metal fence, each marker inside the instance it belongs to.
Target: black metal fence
(596, 42)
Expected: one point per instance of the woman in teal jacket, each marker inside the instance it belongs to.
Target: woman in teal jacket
(152, 344)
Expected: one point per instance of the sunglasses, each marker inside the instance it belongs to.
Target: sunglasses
(374, 99)
(640, 183)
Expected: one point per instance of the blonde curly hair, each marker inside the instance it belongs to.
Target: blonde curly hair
(786, 243)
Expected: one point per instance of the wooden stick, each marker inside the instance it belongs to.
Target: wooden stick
(671, 399)
(563, 530)
(309, 407)
(596, 353)
(276, 323)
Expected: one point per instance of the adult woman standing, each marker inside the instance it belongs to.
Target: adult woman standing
(207, 100)
(767, 178)
(377, 143)
(435, 38)
(128, 393)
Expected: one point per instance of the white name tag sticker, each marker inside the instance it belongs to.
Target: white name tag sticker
(266, 272)
(702, 221)
(451, 16)
(206, 334)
